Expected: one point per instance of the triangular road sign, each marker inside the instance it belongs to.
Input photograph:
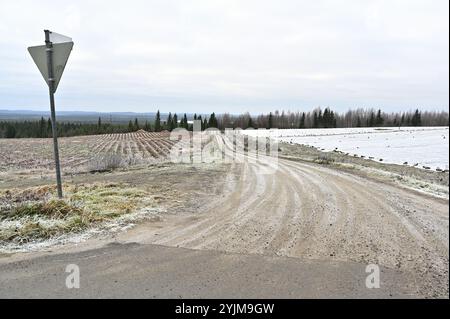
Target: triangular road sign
(58, 38)
(61, 52)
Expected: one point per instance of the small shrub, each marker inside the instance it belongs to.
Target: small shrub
(324, 159)
(107, 162)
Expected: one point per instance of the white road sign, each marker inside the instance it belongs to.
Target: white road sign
(61, 52)
(58, 38)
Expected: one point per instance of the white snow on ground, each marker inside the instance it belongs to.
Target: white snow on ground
(425, 146)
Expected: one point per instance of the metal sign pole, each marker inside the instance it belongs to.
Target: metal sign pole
(51, 85)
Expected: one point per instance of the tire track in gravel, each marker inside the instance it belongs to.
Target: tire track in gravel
(225, 226)
(208, 223)
(305, 210)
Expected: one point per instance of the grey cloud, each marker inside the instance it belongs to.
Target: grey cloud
(232, 55)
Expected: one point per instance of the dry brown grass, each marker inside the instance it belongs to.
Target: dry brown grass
(36, 214)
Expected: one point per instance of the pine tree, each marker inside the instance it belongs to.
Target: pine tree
(49, 128)
(169, 124)
(379, 120)
(250, 122)
(199, 118)
(146, 126)
(416, 119)
(372, 120)
(212, 121)
(302, 120)
(396, 122)
(175, 121)
(158, 122)
(185, 122)
(270, 120)
(10, 131)
(130, 126)
(99, 125)
(325, 118)
(320, 119)
(315, 120)
(333, 120)
(42, 129)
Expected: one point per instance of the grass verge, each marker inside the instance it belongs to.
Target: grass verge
(36, 214)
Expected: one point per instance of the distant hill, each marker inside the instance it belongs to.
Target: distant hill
(78, 116)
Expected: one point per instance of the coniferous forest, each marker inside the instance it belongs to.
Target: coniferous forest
(318, 118)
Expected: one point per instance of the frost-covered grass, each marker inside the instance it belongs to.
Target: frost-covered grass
(423, 147)
(35, 214)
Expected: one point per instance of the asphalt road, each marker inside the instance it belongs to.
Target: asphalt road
(153, 271)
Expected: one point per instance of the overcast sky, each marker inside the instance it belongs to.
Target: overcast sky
(231, 56)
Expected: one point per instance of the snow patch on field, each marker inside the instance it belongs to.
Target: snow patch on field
(424, 147)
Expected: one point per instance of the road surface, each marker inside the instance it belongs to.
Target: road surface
(310, 211)
(303, 230)
(152, 271)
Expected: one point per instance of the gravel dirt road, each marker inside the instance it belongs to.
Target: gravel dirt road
(311, 213)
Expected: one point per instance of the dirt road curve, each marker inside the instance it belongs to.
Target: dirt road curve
(308, 211)
(331, 222)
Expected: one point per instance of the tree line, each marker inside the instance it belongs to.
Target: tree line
(172, 122)
(43, 128)
(327, 118)
(317, 118)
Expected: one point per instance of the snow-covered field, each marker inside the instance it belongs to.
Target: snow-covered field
(424, 146)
